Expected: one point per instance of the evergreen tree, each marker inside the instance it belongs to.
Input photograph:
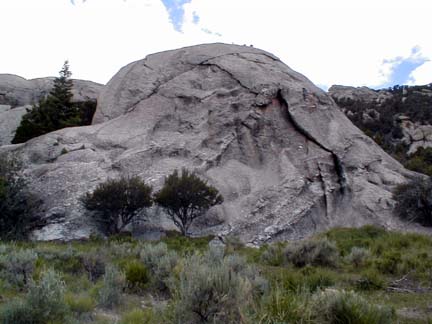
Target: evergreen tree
(54, 112)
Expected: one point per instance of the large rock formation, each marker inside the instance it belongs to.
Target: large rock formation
(286, 159)
(17, 95)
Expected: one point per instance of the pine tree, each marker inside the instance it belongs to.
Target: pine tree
(54, 112)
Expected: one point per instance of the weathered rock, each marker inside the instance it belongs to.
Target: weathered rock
(364, 94)
(18, 95)
(9, 122)
(17, 91)
(416, 133)
(286, 159)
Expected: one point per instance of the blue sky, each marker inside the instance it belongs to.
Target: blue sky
(377, 44)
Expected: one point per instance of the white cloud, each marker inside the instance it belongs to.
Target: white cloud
(333, 41)
(423, 74)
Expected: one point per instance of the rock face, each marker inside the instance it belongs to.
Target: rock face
(286, 159)
(18, 94)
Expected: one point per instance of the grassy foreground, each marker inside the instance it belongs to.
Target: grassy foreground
(365, 275)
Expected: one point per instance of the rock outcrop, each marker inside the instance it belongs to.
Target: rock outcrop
(404, 107)
(17, 95)
(364, 94)
(286, 159)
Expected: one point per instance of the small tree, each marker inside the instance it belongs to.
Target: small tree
(118, 202)
(414, 201)
(186, 197)
(18, 206)
(56, 111)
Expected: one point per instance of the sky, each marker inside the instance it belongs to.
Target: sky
(374, 43)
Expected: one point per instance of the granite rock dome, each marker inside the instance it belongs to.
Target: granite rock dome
(286, 159)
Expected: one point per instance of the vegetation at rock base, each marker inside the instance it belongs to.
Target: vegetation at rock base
(56, 111)
(186, 197)
(118, 202)
(375, 276)
(18, 205)
(414, 201)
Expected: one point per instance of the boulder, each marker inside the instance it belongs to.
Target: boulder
(288, 162)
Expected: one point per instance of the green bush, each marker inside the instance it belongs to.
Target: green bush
(137, 275)
(213, 289)
(16, 312)
(342, 307)
(420, 161)
(273, 255)
(116, 203)
(358, 256)
(310, 280)
(370, 280)
(18, 266)
(94, 263)
(186, 197)
(114, 283)
(138, 316)
(414, 201)
(46, 298)
(389, 262)
(347, 238)
(316, 252)
(161, 262)
(18, 206)
(80, 305)
(281, 306)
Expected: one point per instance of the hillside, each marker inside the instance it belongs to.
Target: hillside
(399, 119)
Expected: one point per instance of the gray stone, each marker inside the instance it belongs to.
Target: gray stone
(17, 95)
(364, 94)
(288, 162)
(17, 91)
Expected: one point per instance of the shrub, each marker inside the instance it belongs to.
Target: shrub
(213, 290)
(80, 305)
(137, 275)
(389, 262)
(358, 256)
(94, 263)
(18, 206)
(414, 201)
(281, 306)
(185, 198)
(46, 298)
(303, 281)
(116, 203)
(273, 255)
(370, 280)
(18, 266)
(341, 307)
(161, 262)
(317, 252)
(16, 312)
(138, 316)
(113, 284)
